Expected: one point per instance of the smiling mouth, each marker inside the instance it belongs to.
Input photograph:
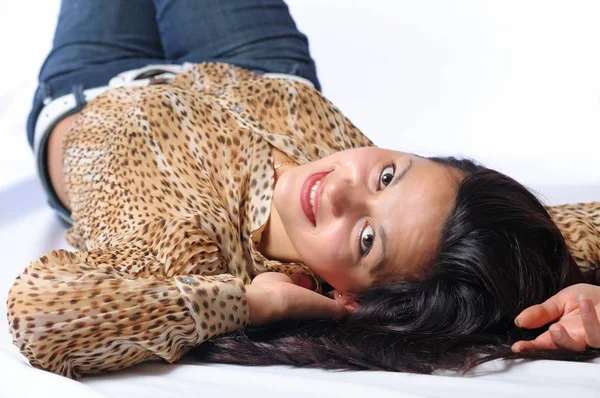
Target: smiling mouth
(313, 192)
(309, 196)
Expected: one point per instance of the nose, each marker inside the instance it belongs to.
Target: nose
(343, 194)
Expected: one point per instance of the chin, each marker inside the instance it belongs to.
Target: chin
(282, 192)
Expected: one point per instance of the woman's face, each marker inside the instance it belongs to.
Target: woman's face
(375, 214)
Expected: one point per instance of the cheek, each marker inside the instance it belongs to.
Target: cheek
(328, 249)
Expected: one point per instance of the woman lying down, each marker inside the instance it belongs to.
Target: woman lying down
(225, 207)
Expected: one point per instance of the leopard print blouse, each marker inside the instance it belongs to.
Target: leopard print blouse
(169, 187)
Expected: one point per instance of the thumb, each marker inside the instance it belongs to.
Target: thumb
(541, 314)
(268, 278)
(303, 280)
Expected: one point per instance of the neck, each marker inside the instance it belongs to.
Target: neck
(274, 243)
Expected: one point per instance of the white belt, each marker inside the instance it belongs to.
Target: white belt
(55, 110)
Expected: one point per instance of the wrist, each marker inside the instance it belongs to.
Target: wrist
(253, 311)
(261, 305)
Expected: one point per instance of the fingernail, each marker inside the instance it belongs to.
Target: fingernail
(517, 322)
(555, 332)
(584, 305)
(517, 349)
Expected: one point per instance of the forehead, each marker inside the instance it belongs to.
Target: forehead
(367, 153)
(413, 215)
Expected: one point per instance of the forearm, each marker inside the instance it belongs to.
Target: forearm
(73, 317)
(55, 157)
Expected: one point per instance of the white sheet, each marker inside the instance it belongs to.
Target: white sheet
(513, 84)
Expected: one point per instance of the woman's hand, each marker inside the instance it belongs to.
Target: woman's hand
(575, 310)
(273, 297)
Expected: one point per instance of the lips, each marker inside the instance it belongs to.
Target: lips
(305, 196)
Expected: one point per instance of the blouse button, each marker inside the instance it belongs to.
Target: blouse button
(237, 109)
(189, 280)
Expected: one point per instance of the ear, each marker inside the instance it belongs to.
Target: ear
(348, 299)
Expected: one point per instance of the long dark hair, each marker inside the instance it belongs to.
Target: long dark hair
(500, 252)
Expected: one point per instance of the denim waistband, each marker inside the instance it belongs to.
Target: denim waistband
(99, 75)
(76, 83)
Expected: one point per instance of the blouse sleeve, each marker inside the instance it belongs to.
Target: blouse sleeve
(580, 226)
(76, 313)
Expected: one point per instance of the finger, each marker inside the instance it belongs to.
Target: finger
(540, 314)
(523, 346)
(561, 338)
(589, 318)
(542, 342)
(308, 304)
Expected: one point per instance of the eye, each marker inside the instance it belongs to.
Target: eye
(367, 237)
(386, 176)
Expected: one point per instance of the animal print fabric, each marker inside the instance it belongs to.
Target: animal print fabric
(169, 186)
(580, 225)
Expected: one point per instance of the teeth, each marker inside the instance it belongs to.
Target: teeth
(313, 191)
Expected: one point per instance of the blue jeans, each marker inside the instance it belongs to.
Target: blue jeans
(97, 39)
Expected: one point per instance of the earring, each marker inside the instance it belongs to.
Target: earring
(339, 296)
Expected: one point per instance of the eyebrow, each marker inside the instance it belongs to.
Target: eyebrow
(383, 237)
(398, 177)
(382, 234)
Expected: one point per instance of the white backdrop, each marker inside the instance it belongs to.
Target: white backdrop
(515, 84)
(512, 83)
